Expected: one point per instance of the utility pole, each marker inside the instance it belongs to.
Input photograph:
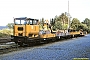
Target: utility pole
(68, 16)
(68, 6)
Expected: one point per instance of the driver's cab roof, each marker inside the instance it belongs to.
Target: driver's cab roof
(24, 18)
(21, 18)
(31, 19)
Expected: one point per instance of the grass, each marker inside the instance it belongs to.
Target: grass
(6, 32)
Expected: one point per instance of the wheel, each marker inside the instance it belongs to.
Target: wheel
(21, 44)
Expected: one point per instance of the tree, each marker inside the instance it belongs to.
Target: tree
(62, 20)
(83, 26)
(41, 23)
(10, 25)
(42, 20)
(57, 25)
(52, 22)
(75, 24)
(87, 21)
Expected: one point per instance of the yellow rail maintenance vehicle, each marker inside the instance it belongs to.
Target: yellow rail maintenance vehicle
(27, 31)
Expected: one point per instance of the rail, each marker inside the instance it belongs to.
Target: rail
(5, 40)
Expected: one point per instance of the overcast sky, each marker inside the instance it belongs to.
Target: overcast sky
(42, 8)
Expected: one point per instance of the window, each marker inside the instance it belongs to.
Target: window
(17, 21)
(20, 22)
(31, 22)
(20, 28)
(34, 22)
(23, 22)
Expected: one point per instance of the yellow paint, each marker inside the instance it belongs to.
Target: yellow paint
(47, 35)
(76, 32)
(32, 29)
(16, 31)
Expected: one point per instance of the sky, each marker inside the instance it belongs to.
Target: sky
(38, 9)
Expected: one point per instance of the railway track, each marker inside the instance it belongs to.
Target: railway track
(4, 40)
(7, 46)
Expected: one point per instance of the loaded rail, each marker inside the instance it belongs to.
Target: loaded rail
(8, 47)
(5, 40)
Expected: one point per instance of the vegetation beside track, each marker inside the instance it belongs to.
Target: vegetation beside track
(6, 32)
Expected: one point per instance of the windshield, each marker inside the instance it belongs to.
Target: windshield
(17, 21)
(20, 21)
(25, 21)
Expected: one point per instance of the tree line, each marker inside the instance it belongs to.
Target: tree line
(61, 23)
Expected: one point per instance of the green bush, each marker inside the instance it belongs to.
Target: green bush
(6, 32)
